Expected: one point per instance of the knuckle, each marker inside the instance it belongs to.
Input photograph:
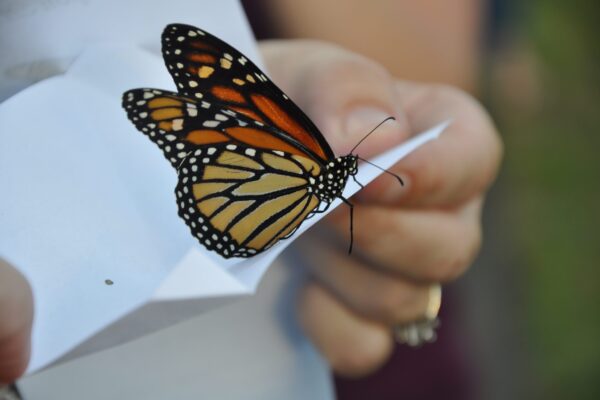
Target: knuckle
(462, 250)
(365, 356)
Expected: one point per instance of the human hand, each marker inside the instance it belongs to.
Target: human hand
(405, 238)
(16, 316)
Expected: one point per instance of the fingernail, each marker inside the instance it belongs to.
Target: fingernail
(361, 120)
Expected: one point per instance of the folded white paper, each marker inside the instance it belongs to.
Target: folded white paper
(85, 199)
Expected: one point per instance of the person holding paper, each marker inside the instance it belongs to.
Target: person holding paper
(427, 42)
(406, 237)
(426, 231)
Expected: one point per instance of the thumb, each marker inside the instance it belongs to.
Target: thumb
(16, 314)
(345, 94)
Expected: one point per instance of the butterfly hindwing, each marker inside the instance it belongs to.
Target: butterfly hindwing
(239, 201)
(206, 68)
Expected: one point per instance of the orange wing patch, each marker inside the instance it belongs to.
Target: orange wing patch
(202, 46)
(206, 136)
(227, 94)
(202, 58)
(286, 123)
(166, 113)
(164, 102)
(247, 113)
(261, 139)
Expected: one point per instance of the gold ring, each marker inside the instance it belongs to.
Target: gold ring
(434, 302)
(422, 331)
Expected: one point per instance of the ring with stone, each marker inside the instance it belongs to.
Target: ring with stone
(422, 331)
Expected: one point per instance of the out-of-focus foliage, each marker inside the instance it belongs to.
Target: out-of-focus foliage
(544, 89)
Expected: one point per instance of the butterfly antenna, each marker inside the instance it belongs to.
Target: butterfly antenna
(372, 130)
(382, 169)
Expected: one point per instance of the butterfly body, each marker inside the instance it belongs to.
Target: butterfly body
(330, 184)
(251, 165)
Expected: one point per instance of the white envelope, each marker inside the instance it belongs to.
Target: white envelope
(85, 198)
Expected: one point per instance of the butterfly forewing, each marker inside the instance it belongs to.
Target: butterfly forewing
(161, 115)
(178, 124)
(206, 68)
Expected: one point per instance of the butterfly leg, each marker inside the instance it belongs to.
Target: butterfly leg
(357, 182)
(345, 200)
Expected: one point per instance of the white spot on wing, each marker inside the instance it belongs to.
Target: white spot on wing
(177, 124)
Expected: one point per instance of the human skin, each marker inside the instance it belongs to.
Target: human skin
(406, 238)
(16, 315)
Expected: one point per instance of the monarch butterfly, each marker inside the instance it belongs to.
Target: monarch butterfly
(251, 165)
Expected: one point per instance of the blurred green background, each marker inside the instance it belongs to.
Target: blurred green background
(542, 85)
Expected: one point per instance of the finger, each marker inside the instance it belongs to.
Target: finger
(375, 294)
(345, 94)
(424, 245)
(16, 315)
(352, 345)
(458, 165)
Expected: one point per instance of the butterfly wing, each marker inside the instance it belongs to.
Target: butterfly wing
(179, 124)
(247, 157)
(242, 187)
(206, 68)
(160, 115)
(239, 201)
